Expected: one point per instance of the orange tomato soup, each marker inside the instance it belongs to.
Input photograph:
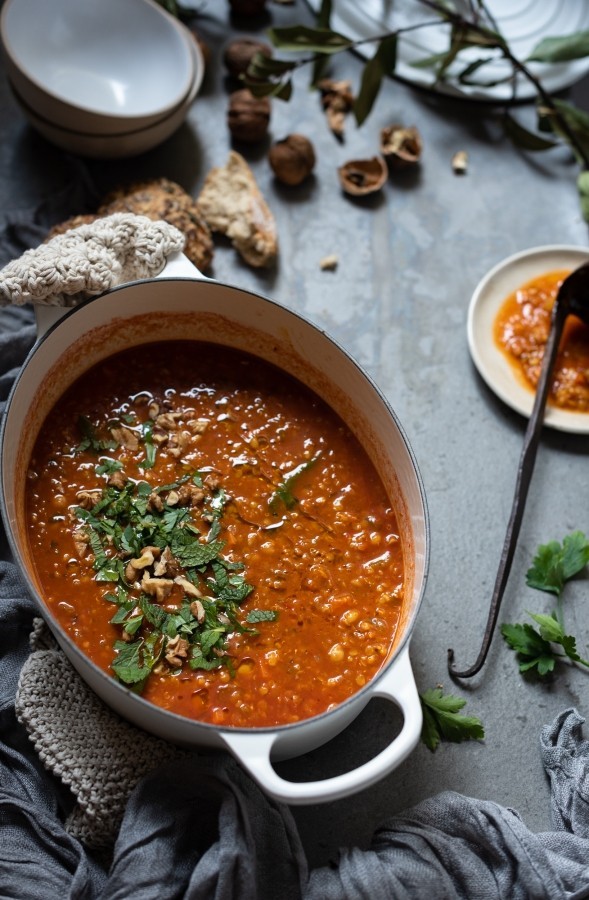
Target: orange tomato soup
(521, 332)
(210, 533)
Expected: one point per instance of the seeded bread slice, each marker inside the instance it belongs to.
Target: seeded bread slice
(231, 203)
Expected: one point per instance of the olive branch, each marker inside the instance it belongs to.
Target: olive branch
(558, 122)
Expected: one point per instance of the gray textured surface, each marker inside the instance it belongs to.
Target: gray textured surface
(409, 261)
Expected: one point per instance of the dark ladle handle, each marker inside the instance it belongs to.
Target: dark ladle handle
(560, 311)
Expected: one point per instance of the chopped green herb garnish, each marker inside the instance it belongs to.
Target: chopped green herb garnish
(133, 663)
(284, 492)
(261, 615)
(150, 448)
(90, 440)
(125, 529)
(108, 466)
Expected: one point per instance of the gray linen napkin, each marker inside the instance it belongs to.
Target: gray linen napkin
(198, 827)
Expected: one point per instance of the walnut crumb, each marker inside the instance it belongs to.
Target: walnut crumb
(329, 263)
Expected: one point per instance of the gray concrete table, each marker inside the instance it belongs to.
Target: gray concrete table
(409, 260)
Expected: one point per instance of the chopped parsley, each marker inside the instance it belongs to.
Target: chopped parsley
(90, 439)
(150, 448)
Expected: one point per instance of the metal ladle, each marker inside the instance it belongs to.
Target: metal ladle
(572, 298)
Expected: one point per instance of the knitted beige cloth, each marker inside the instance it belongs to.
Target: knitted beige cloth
(89, 259)
(98, 755)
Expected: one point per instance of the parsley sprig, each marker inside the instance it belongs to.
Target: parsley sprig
(444, 721)
(537, 648)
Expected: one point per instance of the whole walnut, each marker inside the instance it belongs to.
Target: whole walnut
(238, 54)
(248, 117)
(292, 159)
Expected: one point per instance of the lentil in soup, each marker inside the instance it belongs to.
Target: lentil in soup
(212, 534)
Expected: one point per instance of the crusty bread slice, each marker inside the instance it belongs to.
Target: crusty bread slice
(231, 203)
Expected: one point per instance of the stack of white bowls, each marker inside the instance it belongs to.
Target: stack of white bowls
(101, 79)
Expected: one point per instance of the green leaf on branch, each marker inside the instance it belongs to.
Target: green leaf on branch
(522, 137)
(324, 15)
(575, 120)
(321, 62)
(264, 76)
(262, 66)
(463, 77)
(480, 36)
(443, 721)
(295, 38)
(382, 63)
(583, 189)
(561, 49)
(282, 90)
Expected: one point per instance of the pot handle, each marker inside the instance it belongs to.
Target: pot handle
(177, 266)
(253, 749)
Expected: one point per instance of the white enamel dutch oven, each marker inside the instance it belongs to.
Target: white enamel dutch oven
(183, 304)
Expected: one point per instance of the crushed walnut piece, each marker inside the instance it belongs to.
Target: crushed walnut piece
(176, 651)
(337, 101)
(160, 588)
(460, 162)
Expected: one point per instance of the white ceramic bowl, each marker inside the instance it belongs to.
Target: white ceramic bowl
(116, 146)
(97, 68)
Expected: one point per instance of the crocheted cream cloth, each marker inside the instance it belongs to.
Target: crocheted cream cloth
(89, 259)
(98, 755)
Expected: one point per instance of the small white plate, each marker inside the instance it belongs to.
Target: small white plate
(522, 22)
(489, 295)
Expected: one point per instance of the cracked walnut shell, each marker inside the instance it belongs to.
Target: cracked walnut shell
(292, 159)
(359, 177)
(401, 147)
(337, 101)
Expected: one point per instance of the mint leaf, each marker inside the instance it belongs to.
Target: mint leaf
(261, 615)
(131, 663)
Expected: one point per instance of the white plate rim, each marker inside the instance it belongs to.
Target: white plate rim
(488, 296)
(347, 18)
